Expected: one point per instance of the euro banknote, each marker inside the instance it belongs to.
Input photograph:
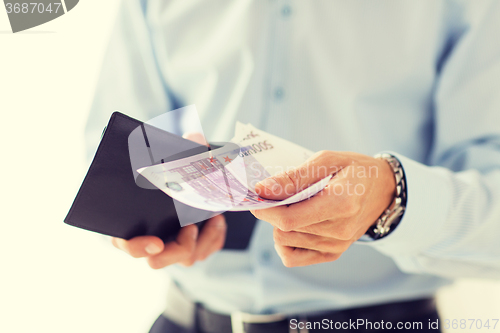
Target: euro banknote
(224, 179)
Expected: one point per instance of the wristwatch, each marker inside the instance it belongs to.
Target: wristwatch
(391, 217)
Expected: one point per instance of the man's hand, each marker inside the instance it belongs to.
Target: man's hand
(188, 248)
(322, 227)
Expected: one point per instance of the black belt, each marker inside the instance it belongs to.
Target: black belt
(211, 322)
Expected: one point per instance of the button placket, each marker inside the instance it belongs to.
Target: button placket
(278, 76)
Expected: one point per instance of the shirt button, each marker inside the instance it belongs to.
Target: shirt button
(286, 11)
(279, 93)
(265, 256)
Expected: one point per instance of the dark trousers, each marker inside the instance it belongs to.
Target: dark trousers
(163, 325)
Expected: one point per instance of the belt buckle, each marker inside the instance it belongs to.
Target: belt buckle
(238, 319)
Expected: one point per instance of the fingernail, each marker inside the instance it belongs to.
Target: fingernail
(220, 223)
(270, 183)
(153, 249)
(194, 233)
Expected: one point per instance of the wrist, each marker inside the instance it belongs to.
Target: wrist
(388, 184)
(392, 215)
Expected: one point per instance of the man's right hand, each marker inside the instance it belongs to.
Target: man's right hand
(188, 248)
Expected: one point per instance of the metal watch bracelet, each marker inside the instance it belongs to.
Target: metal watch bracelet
(391, 217)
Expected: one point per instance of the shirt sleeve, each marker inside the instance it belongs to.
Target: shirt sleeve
(130, 80)
(451, 226)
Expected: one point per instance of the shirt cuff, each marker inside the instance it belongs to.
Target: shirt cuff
(428, 202)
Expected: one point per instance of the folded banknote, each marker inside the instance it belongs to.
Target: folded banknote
(225, 179)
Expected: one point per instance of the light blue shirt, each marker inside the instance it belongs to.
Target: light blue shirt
(418, 78)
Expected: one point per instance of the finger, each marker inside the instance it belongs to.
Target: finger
(310, 242)
(212, 237)
(341, 229)
(314, 210)
(295, 257)
(298, 215)
(196, 137)
(325, 205)
(177, 251)
(286, 184)
(139, 247)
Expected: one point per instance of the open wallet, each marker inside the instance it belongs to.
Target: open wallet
(117, 201)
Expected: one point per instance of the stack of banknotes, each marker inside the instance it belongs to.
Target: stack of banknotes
(224, 179)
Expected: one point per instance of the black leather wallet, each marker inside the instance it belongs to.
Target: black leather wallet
(111, 202)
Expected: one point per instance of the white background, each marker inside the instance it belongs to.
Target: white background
(56, 278)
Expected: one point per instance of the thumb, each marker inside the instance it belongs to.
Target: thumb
(196, 137)
(285, 184)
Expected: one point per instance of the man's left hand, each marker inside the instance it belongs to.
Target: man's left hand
(324, 226)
